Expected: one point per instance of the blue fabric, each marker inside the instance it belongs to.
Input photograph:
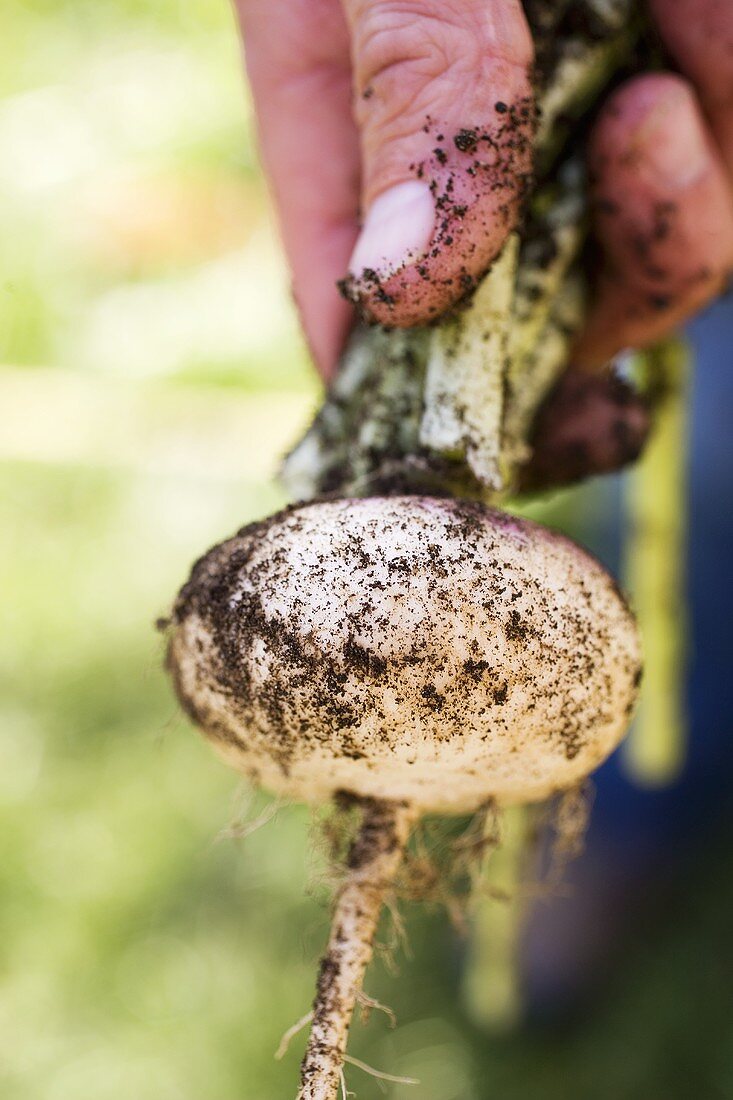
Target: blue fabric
(637, 836)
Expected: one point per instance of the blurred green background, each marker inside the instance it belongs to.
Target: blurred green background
(152, 373)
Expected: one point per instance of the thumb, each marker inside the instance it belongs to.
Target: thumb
(446, 117)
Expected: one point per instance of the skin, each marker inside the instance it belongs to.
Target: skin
(342, 90)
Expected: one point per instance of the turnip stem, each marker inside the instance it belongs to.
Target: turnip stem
(373, 862)
(490, 984)
(655, 565)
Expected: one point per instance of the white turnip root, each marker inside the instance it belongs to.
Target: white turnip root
(418, 649)
(420, 654)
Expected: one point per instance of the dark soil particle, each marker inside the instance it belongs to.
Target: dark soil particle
(432, 697)
(516, 629)
(475, 669)
(500, 695)
(466, 141)
(376, 836)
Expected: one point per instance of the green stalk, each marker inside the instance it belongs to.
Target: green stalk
(491, 991)
(654, 752)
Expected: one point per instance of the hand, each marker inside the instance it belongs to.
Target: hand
(388, 106)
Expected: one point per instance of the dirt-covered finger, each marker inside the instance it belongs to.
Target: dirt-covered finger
(445, 110)
(589, 424)
(699, 34)
(663, 216)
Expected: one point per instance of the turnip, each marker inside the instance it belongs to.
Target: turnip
(396, 648)
(416, 654)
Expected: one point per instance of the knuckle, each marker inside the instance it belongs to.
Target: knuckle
(400, 46)
(699, 35)
(389, 41)
(642, 94)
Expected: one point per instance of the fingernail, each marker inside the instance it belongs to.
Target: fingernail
(675, 149)
(397, 229)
